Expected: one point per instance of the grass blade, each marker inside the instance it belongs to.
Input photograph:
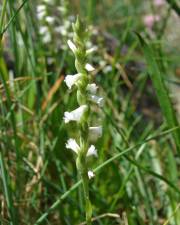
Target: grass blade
(7, 191)
(161, 90)
(100, 167)
(13, 17)
(156, 175)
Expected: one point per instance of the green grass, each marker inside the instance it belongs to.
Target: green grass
(161, 91)
(137, 170)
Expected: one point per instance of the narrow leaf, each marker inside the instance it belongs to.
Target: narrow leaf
(161, 90)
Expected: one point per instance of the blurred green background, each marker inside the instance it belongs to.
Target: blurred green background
(141, 87)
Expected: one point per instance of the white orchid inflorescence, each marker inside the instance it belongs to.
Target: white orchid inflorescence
(79, 113)
(86, 96)
(55, 22)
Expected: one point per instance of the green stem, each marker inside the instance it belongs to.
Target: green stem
(87, 200)
(83, 171)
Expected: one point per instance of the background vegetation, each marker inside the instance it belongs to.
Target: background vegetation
(137, 172)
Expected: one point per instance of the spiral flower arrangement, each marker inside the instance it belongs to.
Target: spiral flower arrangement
(86, 95)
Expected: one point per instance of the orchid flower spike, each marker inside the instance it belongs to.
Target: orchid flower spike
(86, 94)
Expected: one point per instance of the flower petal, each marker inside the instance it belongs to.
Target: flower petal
(89, 67)
(92, 88)
(50, 19)
(41, 8)
(93, 49)
(70, 80)
(97, 100)
(95, 131)
(92, 151)
(72, 46)
(91, 174)
(72, 144)
(75, 115)
(43, 30)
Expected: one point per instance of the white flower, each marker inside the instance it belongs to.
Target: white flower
(92, 88)
(91, 174)
(41, 11)
(88, 43)
(107, 69)
(41, 8)
(61, 30)
(50, 60)
(97, 100)
(48, 1)
(72, 144)
(102, 63)
(93, 49)
(46, 38)
(75, 115)
(95, 131)
(70, 80)
(92, 151)
(61, 9)
(41, 15)
(89, 67)
(43, 30)
(72, 46)
(67, 24)
(50, 19)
